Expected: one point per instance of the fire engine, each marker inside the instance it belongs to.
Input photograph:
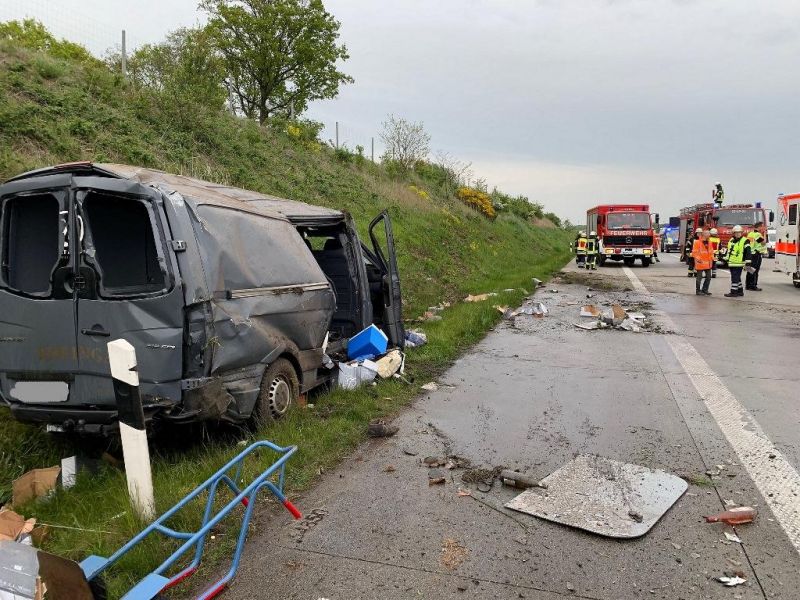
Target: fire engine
(787, 246)
(625, 232)
(707, 216)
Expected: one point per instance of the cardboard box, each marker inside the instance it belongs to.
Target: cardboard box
(14, 525)
(34, 484)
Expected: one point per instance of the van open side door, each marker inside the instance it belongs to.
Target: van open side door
(384, 257)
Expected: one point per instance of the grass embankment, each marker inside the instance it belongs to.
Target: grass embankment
(54, 111)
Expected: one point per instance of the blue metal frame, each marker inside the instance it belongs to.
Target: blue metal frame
(157, 581)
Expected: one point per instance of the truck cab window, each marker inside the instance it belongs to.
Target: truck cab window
(30, 242)
(124, 245)
(793, 214)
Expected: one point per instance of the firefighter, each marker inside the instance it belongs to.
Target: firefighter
(713, 239)
(738, 259)
(718, 194)
(703, 255)
(688, 250)
(757, 250)
(592, 250)
(580, 249)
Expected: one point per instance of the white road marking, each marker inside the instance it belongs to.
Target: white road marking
(775, 478)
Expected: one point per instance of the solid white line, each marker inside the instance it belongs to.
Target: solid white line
(775, 478)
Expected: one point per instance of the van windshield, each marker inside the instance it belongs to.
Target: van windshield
(124, 245)
(30, 237)
(628, 220)
(739, 216)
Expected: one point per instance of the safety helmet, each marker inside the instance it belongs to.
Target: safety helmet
(581, 232)
(699, 230)
(718, 183)
(737, 229)
(593, 233)
(714, 231)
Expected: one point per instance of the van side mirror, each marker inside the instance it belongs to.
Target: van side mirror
(771, 216)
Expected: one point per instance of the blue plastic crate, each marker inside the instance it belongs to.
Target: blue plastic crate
(367, 344)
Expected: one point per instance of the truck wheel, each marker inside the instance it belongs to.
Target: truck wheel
(646, 262)
(601, 260)
(280, 389)
(796, 284)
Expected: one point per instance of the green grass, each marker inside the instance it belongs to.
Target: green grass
(55, 111)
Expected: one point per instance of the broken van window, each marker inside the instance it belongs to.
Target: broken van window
(124, 245)
(30, 242)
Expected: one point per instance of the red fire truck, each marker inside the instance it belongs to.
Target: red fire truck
(723, 218)
(625, 232)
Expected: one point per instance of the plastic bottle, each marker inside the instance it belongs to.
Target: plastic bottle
(734, 516)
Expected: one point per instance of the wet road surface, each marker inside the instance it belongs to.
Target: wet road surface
(532, 395)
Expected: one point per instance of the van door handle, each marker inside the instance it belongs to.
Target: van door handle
(97, 332)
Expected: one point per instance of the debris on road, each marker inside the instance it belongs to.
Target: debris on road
(602, 496)
(356, 373)
(431, 386)
(590, 310)
(453, 554)
(591, 326)
(734, 516)
(415, 338)
(518, 480)
(732, 537)
(389, 469)
(462, 492)
(390, 364)
(731, 580)
(616, 317)
(537, 283)
(379, 428)
(436, 477)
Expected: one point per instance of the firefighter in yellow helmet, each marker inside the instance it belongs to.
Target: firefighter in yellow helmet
(714, 241)
(738, 259)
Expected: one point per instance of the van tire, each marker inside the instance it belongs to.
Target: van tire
(280, 389)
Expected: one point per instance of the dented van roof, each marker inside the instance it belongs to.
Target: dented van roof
(202, 192)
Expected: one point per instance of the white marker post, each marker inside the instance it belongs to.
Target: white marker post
(135, 452)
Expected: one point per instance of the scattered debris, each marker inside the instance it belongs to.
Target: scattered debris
(436, 477)
(591, 295)
(415, 338)
(602, 496)
(463, 492)
(430, 316)
(501, 309)
(676, 546)
(453, 554)
(591, 326)
(479, 297)
(732, 580)
(34, 484)
(630, 325)
(519, 480)
(537, 283)
(553, 291)
(433, 461)
(390, 364)
(379, 428)
(590, 310)
(389, 469)
(356, 373)
(13, 526)
(431, 386)
(367, 343)
(734, 516)
(408, 452)
(27, 573)
(732, 537)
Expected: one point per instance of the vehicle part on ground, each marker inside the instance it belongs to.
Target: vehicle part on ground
(229, 475)
(600, 495)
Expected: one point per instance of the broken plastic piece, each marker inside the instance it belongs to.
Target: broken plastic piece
(430, 387)
(732, 537)
(731, 581)
(734, 516)
(590, 310)
(389, 364)
(415, 339)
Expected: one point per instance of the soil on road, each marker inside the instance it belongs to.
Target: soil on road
(708, 393)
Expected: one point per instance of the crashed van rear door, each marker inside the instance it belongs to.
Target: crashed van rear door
(384, 257)
(37, 312)
(131, 291)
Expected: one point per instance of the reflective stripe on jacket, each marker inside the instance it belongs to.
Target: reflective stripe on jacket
(738, 252)
(703, 255)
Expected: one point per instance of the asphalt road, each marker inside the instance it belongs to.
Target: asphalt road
(712, 387)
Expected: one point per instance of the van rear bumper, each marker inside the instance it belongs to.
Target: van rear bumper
(70, 418)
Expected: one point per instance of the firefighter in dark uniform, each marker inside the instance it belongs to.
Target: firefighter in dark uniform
(757, 250)
(592, 251)
(580, 249)
(687, 251)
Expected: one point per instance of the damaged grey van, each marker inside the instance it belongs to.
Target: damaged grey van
(230, 297)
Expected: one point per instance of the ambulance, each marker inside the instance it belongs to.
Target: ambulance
(787, 237)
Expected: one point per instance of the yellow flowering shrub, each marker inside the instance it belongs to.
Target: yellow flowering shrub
(420, 192)
(478, 200)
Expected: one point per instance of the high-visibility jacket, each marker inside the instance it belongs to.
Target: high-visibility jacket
(591, 245)
(738, 252)
(756, 242)
(714, 241)
(703, 255)
(580, 245)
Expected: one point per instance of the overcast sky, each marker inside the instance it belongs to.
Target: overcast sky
(570, 102)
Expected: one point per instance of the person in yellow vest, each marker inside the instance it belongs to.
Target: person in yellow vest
(713, 239)
(738, 259)
(703, 255)
(580, 249)
(592, 250)
(757, 250)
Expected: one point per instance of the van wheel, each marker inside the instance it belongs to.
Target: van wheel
(280, 389)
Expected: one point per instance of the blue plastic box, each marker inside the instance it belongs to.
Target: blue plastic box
(367, 344)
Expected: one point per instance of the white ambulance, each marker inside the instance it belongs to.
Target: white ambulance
(787, 239)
